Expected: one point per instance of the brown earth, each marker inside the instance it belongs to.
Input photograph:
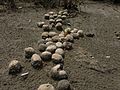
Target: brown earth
(87, 65)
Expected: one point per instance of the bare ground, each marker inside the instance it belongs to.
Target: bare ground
(87, 65)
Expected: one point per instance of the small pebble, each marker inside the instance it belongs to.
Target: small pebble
(46, 56)
(69, 38)
(46, 87)
(40, 24)
(57, 58)
(45, 35)
(51, 48)
(14, 67)
(46, 16)
(36, 61)
(55, 38)
(67, 45)
(51, 21)
(29, 52)
(51, 34)
(59, 45)
(50, 43)
(60, 51)
(46, 28)
(58, 26)
(64, 85)
(59, 21)
(42, 47)
(81, 34)
(51, 13)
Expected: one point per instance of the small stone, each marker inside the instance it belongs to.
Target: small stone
(51, 34)
(57, 58)
(59, 21)
(51, 48)
(14, 67)
(60, 12)
(63, 75)
(51, 17)
(75, 30)
(55, 38)
(45, 35)
(48, 39)
(67, 45)
(59, 16)
(57, 72)
(59, 27)
(46, 28)
(67, 31)
(61, 35)
(40, 24)
(36, 61)
(65, 13)
(41, 41)
(46, 56)
(29, 52)
(51, 21)
(51, 13)
(60, 51)
(75, 35)
(52, 25)
(46, 16)
(42, 47)
(46, 87)
(55, 15)
(81, 34)
(50, 43)
(69, 38)
(64, 17)
(59, 45)
(64, 85)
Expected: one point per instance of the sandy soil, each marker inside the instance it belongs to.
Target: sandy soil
(87, 65)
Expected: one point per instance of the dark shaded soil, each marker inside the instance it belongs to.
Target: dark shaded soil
(87, 65)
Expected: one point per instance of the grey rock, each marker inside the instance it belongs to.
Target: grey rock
(46, 16)
(46, 56)
(59, 27)
(46, 28)
(51, 34)
(42, 47)
(60, 51)
(51, 48)
(36, 61)
(29, 52)
(64, 85)
(45, 35)
(55, 38)
(67, 45)
(46, 87)
(14, 67)
(57, 58)
(40, 24)
(59, 45)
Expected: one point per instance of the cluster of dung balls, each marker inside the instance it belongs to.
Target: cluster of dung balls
(55, 41)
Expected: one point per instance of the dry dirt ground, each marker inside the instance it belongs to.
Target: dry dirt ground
(87, 65)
